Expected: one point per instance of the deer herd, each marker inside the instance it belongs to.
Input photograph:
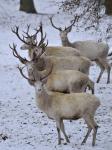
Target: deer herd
(60, 76)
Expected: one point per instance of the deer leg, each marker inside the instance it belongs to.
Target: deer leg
(94, 135)
(100, 75)
(87, 120)
(99, 62)
(108, 68)
(108, 71)
(63, 131)
(91, 86)
(92, 125)
(92, 91)
(58, 125)
(88, 132)
(95, 128)
(84, 88)
(103, 63)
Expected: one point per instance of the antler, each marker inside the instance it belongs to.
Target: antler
(20, 69)
(15, 53)
(16, 31)
(42, 37)
(58, 28)
(73, 21)
(27, 32)
(42, 40)
(41, 29)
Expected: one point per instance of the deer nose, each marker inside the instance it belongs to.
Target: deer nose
(30, 71)
(21, 48)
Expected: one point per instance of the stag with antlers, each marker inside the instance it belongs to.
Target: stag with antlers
(30, 44)
(64, 63)
(61, 107)
(93, 50)
(77, 81)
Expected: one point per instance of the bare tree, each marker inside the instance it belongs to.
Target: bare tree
(90, 14)
(87, 10)
(27, 6)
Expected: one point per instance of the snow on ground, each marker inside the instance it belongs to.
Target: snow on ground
(24, 125)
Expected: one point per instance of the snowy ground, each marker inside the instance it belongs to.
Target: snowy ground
(26, 127)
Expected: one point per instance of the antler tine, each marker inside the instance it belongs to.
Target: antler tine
(37, 31)
(14, 50)
(46, 44)
(21, 72)
(41, 29)
(58, 28)
(42, 40)
(27, 31)
(28, 28)
(73, 21)
(16, 31)
(76, 18)
(15, 53)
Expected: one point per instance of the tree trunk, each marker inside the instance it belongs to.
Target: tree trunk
(27, 6)
(108, 5)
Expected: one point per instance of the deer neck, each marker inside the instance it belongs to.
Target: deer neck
(30, 51)
(43, 100)
(65, 41)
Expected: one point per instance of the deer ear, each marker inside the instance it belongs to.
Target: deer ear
(69, 29)
(34, 37)
(34, 56)
(44, 81)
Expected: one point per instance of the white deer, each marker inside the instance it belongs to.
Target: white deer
(72, 62)
(95, 51)
(64, 81)
(60, 106)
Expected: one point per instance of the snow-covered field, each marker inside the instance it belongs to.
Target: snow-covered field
(24, 125)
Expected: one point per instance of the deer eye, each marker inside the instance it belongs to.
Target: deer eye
(39, 89)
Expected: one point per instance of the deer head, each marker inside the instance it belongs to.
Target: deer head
(28, 40)
(29, 63)
(66, 30)
(15, 53)
(42, 79)
(31, 40)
